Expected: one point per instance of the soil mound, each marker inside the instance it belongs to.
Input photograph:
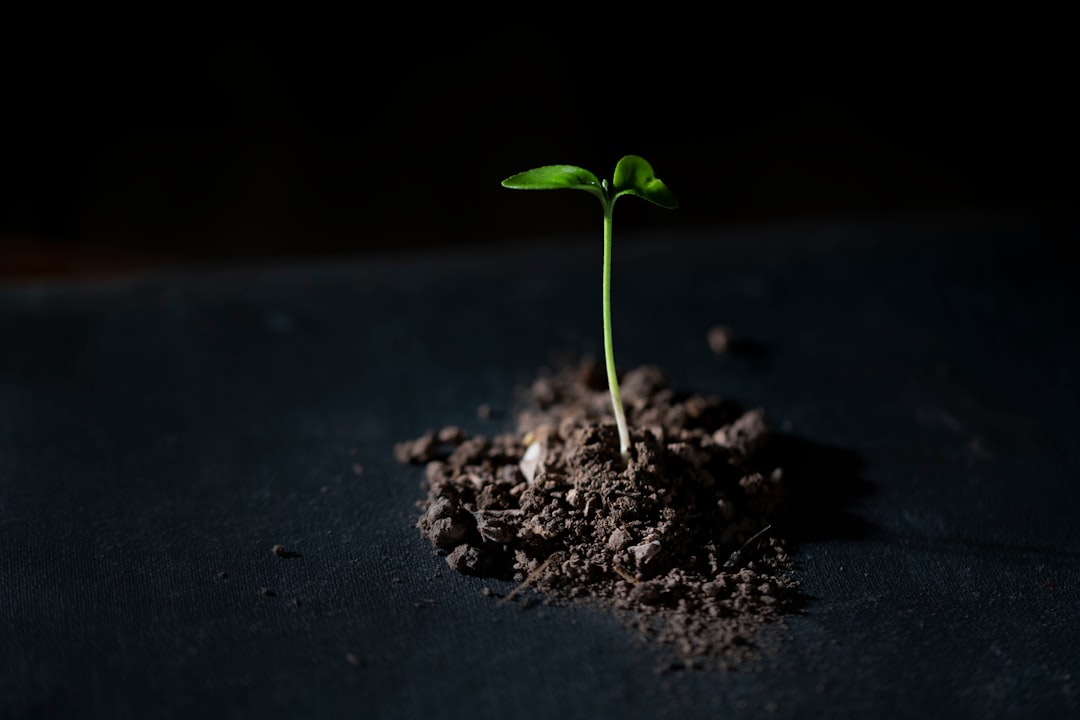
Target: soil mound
(677, 541)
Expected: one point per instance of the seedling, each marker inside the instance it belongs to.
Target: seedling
(633, 176)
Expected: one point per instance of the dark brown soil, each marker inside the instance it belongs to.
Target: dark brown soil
(678, 542)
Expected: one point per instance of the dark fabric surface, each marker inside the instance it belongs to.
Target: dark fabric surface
(157, 432)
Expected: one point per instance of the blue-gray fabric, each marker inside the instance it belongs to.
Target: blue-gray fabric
(158, 435)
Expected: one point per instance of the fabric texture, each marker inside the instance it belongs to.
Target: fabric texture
(159, 435)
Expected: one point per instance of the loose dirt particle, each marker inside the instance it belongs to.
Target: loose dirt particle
(282, 552)
(719, 339)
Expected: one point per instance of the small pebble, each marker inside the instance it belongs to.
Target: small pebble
(282, 552)
(719, 339)
(451, 434)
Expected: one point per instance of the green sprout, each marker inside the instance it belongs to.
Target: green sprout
(633, 176)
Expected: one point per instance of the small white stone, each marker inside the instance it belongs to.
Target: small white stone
(531, 461)
(644, 552)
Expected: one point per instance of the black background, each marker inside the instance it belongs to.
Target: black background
(183, 138)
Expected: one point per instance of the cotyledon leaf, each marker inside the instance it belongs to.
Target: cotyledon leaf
(555, 177)
(634, 176)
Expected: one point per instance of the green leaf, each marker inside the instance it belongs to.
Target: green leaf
(634, 176)
(555, 177)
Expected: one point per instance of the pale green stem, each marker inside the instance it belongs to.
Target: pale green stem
(609, 354)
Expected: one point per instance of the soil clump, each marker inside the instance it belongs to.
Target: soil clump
(678, 541)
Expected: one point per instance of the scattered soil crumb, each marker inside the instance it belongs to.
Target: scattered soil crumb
(358, 469)
(222, 574)
(283, 552)
(296, 602)
(353, 659)
(267, 592)
(678, 543)
(719, 339)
